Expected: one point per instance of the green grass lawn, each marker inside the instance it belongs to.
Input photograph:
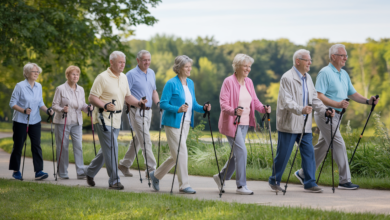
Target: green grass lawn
(29, 200)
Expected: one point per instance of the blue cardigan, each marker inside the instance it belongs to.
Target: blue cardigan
(172, 98)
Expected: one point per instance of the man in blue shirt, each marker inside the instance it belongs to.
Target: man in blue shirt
(142, 82)
(334, 86)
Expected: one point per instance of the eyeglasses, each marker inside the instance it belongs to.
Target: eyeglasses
(306, 60)
(341, 55)
(34, 72)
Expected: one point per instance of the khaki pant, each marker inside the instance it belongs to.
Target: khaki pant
(173, 135)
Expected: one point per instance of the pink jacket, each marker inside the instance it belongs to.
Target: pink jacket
(228, 99)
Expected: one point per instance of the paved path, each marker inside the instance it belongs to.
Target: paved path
(362, 200)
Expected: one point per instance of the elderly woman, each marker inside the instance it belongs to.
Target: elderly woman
(69, 98)
(238, 90)
(178, 91)
(26, 101)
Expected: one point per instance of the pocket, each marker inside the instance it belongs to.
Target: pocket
(64, 100)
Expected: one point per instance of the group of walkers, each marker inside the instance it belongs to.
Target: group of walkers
(114, 93)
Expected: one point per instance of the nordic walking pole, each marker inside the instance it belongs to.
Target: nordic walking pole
(25, 142)
(178, 148)
(93, 130)
(361, 135)
(236, 121)
(212, 139)
(331, 148)
(143, 134)
(65, 115)
(331, 142)
(112, 144)
(270, 141)
(159, 138)
(132, 135)
(50, 119)
(296, 152)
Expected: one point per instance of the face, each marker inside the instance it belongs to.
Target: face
(144, 61)
(244, 69)
(186, 69)
(304, 63)
(340, 57)
(118, 64)
(74, 76)
(34, 73)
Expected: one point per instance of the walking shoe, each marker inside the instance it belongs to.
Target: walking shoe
(348, 185)
(65, 177)
(17, 175)
(244, 191)
(81, 177)
(125, 170)
(155, 181)
(117, 186)
(40, 175)
(314, 189)
(218, 182)
(299, 177)
(90, 181)
(188, 190)
(275, 188)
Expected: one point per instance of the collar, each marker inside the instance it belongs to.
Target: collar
(69, 88)
(334, 68)
(178, 79)
(28, 84)
(112, 74)
(140, 71)
(300, 74)
(236, 80)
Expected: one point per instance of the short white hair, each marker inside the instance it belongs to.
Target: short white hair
(116, 54)
(241, 58)
(334, 49)
(141, 53)
(299, 54)
(28, 68)
(181, 61)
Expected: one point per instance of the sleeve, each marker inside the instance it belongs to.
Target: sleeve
(318, 105)
(351, 89)
(258, 105)
(166, 96)
(130, 80)
(154, 86)
(85, 105)
(286, 99)
(15, 96)
(224, 99)
(56, 101)
(128, 93)
(322, 83)
(97, 87)
(197, 107)
(41, 101)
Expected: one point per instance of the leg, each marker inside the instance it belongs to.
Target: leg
(240, 155)
(76, 134)
(182, 165)
(19, 138)
(308, 161)
(97, 162)
(64, 162)
(34, 133)
(136, 123)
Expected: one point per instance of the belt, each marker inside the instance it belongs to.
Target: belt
(147, 108)
(338, 112)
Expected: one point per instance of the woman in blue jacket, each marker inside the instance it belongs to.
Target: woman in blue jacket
(177, 91)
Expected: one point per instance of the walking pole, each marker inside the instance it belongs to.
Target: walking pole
(212, 139)
(132, 135)
(65, 115)
(93, 130)
(236, 121)
(159, 138)
(112, 143)
(270, 140)
(331, 142)
(143, 134)
(296, 152)
(361, 135)
(178, 148)
(250, 145)
(331, 147)
(52, 142)
(25, 143)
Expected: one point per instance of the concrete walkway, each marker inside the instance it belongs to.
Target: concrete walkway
(362, 200)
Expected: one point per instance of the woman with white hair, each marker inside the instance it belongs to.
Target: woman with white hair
(26, 101)
(70, 98)
(238, 91)
(178, 91)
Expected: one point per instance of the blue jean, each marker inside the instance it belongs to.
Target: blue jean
(285, 146)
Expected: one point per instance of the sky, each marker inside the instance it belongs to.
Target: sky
(299, 21)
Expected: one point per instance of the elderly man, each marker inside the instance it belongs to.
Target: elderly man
(334, 86)
(108, 86)
(142, 81)
(295, 94)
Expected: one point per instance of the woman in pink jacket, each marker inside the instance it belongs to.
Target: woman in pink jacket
(238, 90)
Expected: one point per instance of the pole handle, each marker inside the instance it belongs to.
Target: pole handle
(373, 105)
(206, 112)
(238, 117)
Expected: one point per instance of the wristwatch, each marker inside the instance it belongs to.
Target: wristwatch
(367, 102)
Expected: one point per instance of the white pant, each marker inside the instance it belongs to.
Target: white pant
(173, 135)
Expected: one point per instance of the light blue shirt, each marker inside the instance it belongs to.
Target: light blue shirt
(305, 91)
(142, 84)
(334, 84)
(24, 96)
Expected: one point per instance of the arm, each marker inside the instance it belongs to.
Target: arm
(258, 105)
(166, 96)
(329, 102)
(286, 98)
(14, 100)
(56, 101)
(155, 97)
(224, 99)
(131, 100)
(361, 99)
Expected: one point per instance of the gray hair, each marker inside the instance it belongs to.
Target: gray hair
(299, 54)
(142, 52)
(241, 58)
(334, 49)
(181, 61)
(116, 54)
(28, 68)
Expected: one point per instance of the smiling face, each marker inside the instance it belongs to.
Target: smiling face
(118, 64)
(74, 77)
(303, 63)
(144, 62)
(340, 58)
(186, 69)
(243, 69)
(34, 73)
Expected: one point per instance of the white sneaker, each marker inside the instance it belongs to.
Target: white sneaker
(218, 182)
(244, 191)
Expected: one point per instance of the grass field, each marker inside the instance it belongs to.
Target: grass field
(28, 200)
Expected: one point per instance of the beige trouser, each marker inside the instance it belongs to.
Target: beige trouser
(173, 135)
(136, 123)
